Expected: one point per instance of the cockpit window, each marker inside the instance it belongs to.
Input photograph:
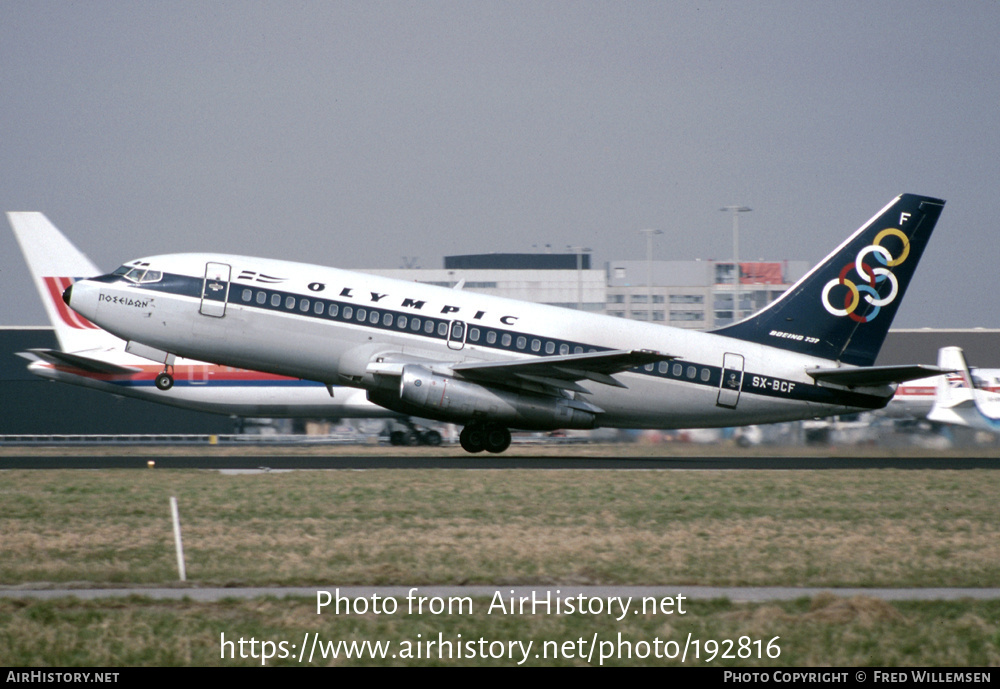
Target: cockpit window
(139, 274)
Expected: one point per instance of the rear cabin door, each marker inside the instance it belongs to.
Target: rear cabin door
(732, 380)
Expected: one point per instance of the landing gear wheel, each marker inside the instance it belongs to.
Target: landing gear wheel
(497, 439)
(473, 438)
(477, 437)
(164, 381)
(431, 438)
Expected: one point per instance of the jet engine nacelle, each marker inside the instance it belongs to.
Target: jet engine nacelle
(430, 395)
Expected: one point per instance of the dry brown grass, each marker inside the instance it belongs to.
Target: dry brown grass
(824, 528)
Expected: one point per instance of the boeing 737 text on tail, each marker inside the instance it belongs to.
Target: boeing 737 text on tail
(494, 364)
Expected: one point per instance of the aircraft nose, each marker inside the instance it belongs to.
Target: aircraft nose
(67, 293)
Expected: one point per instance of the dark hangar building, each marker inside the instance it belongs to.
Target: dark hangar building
(32, 405)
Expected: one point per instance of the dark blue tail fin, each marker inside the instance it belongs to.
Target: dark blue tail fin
(841, 310)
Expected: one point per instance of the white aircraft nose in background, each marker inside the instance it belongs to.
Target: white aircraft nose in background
(91, 357)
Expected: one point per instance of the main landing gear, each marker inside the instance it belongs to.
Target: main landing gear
(479, 436)
(416, 435)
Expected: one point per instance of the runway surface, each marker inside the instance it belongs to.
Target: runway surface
(448, 460)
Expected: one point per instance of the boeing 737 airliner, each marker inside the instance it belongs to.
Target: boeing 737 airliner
(493, 364)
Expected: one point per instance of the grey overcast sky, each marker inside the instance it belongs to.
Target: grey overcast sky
(356, 133)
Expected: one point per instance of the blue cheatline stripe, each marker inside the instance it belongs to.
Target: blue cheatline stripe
(500, 339)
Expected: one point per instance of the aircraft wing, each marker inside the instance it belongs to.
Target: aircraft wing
(873, 376)
(85, 363)
(560, 371)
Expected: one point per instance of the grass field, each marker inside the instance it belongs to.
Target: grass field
(334, 528)
(823, 631)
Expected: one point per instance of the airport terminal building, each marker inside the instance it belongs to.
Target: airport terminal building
(684, 294)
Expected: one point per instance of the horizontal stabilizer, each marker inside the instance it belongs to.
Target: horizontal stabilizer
(874, 376)
(84, 363)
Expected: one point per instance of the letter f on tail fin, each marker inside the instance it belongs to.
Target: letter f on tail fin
(841, 310)
(55, 263)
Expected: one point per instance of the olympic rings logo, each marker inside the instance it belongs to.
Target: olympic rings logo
(870, 276)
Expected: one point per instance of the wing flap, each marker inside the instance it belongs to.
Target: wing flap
(598, 367)
(555, 383)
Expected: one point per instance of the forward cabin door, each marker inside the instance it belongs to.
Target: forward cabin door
(215, 289)
(732, 380)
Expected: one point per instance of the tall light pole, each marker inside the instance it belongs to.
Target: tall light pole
(736, 210)
(579, 251)
(649, 269)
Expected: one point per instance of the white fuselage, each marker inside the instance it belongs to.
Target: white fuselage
(329, 325)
